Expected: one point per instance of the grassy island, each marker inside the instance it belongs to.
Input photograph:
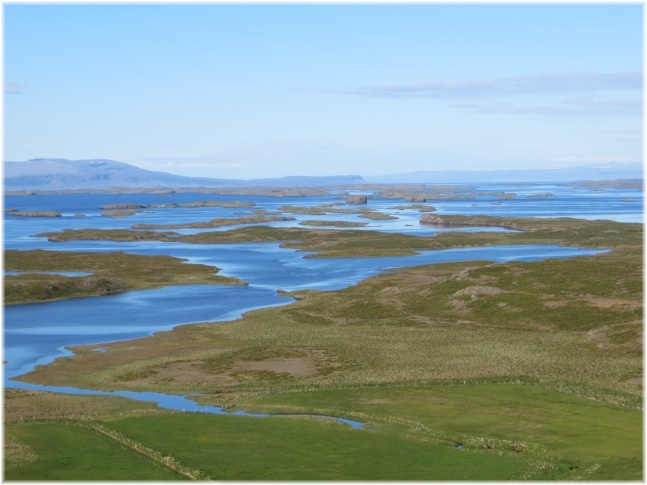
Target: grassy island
(320, 223)
(110, 273)
(224, 221)
(354, 243)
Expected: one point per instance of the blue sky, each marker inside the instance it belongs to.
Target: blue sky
(246, 91)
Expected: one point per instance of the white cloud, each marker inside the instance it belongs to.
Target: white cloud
(12, 88)
(583, 106)
(228, 165)
(539, 84)
(569, 94)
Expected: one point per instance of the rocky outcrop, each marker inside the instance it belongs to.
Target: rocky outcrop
(540, 196)
(116, 213)
(433, 220)
(123, 206)
(106, 286)
(357, 199)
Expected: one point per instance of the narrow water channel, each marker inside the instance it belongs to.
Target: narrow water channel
(36, 334)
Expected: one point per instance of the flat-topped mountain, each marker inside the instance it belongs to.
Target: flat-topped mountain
(60, 174)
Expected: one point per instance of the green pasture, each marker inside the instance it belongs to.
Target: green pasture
(591, 439)
(240, 448)
(510, 430)
(66, 451)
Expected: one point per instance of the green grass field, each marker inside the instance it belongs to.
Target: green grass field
(235, 448)
(509, 431)
(70, 452)
(589, 438)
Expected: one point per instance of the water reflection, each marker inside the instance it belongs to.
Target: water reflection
(71, 274)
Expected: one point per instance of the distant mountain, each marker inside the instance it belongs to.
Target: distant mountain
(610, 171)
(59, 174)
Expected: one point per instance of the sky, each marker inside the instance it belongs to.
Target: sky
(269, 90)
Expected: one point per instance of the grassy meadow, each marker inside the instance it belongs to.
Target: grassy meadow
(68, 451)
(535, 369)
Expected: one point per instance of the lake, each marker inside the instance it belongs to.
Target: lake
(36, 334)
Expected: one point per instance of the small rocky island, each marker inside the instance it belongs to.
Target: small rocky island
(356, 199)
(35, 213)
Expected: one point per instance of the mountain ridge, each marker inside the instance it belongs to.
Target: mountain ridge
(62, 174)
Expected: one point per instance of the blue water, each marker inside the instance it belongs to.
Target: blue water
(166, 401)
(622, 205)
(84, 210)
(42, 330)
(71, 274)
(36, 334)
